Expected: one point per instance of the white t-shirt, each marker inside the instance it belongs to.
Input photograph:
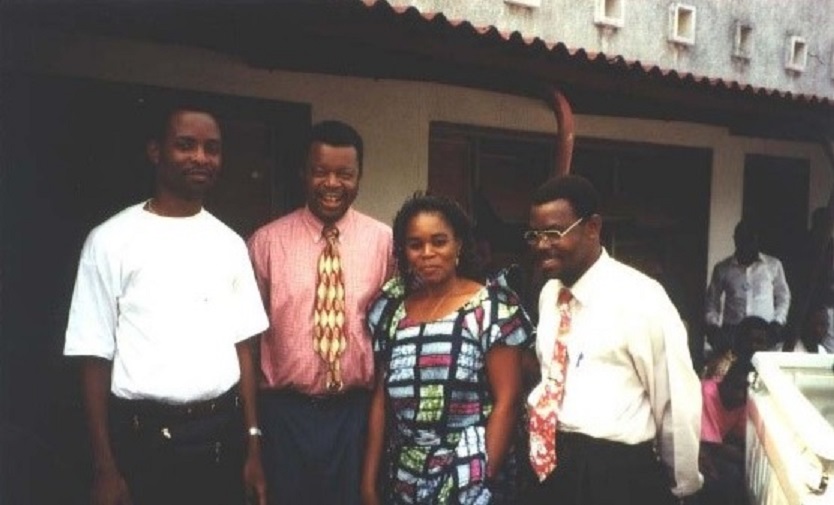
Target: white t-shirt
(165, 299)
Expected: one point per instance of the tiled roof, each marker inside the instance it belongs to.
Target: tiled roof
(438, 21)
(373, 38)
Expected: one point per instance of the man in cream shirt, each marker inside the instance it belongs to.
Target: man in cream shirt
(628, 389)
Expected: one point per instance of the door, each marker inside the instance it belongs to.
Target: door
(655, 207)
(776, 201)
(73, 155)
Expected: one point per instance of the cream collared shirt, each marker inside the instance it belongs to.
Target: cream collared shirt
(629, 375)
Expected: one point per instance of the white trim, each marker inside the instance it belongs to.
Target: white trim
(682, 24)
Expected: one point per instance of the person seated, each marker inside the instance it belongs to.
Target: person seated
(814, 332)
(752, 336)
(723, 418)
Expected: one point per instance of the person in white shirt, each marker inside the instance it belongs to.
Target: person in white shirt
(630, 392)
(816, 268)
(748, 283)
(164, 305)
(814, 333)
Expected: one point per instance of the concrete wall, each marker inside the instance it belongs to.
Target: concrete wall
(394, 116)
(643, 35)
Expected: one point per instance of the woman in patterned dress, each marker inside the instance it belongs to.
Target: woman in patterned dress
(448, 352)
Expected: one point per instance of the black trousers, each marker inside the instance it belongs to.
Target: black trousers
(180, 454)
(593, 471)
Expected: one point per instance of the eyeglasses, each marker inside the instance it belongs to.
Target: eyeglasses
(533, 237)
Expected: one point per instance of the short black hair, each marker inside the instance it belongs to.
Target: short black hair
(745, 228)
(453, 214)
(338, 134)
(158, 118)
(742, 345)
(577, 190)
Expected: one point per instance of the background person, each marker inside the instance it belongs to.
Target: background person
(163, 305)
(317, 377)
(752, 336)
(814, 276)
(816, 331)
(723, 424)
(449, 369)
(748, 283)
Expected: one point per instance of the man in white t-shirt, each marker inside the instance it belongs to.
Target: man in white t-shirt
(165, 303)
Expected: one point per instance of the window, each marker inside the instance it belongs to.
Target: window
(742, 41)
(610, 13)
(682, 24)
(797, 54)
(525, 3)
(491, 173)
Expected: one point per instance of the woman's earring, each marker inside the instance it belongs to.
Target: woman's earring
(457, 260)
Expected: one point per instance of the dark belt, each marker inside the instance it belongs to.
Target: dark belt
(325, 400)
(571, 445)
(228, 401)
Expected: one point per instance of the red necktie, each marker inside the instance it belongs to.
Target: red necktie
(543, 416)
(329, 315)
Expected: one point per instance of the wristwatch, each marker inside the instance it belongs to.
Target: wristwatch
(254, 431)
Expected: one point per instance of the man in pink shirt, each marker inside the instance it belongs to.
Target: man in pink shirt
(314, 426)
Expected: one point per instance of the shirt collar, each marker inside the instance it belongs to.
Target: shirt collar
(756, 260)
(591, 280)
(315, 226)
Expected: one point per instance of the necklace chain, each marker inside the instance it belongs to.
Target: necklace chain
(437, 305)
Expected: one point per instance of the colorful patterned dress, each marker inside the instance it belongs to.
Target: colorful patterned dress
(438, 395)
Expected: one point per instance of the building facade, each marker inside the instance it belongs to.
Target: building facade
(772, 44)
(456, 107)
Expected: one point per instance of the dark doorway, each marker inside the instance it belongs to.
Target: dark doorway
(776, 201)
(73, 154)
(655, 202)
(491, 173)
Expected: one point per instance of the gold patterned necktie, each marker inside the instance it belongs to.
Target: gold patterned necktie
(329, 315)
(543, 418)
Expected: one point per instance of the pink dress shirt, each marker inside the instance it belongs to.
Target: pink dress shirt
(285, 254)
(716, 421)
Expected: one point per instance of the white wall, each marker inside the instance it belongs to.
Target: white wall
(644, 35)
(394, 116)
